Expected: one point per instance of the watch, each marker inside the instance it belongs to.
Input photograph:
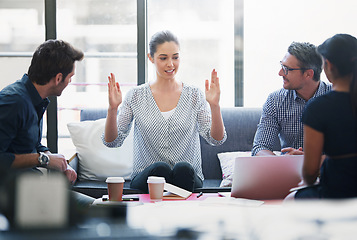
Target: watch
(43, 159)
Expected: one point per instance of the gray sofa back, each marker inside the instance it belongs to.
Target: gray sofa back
(93, 113)
(240, 123)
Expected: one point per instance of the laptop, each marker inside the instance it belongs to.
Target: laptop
(266, 177)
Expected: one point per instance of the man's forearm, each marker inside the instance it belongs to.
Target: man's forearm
(27, 160)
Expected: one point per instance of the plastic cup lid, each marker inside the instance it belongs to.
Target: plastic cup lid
(154, 179)
(115, 180)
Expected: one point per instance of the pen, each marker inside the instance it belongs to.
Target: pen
(200, 194)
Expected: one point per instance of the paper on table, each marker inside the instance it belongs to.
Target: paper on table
(224, 194)
(221, 201)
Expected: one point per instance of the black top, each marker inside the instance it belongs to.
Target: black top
(332, 115)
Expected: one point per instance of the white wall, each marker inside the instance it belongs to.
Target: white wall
(271, 26)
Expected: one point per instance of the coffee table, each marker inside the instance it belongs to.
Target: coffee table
(213, 217)
(145, 198)
(225, 218)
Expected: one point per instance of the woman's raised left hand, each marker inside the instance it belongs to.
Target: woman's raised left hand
(213, 91)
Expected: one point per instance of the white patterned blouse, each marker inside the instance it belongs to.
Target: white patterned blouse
(157, 139)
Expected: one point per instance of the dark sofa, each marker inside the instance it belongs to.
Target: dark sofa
(240, 123)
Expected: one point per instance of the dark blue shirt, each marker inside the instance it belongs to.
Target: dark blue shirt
(21, 111)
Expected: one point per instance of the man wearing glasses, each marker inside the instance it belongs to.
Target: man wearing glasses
(281, 117)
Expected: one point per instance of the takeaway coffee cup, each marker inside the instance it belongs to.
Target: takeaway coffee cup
(115, 188)
(156, 187)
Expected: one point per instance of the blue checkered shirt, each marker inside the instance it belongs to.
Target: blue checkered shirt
(281, 119)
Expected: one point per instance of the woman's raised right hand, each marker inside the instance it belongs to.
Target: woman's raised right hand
(114, 92)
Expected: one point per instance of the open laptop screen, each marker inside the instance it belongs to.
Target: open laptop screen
(266, 177)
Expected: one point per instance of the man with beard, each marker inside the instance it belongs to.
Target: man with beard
(281, 117)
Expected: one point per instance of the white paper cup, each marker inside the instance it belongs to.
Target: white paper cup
(156, 187)
(115, 188)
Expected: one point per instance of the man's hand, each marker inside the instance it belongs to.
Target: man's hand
(292, 151)
(265, 152)
(57, 162)
(70, 174)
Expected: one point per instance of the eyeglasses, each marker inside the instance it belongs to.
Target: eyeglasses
(287, 69)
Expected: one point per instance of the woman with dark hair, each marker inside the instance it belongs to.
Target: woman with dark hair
(330, 125)
(169, 117)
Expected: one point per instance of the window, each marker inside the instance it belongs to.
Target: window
(210, 34)
(106, 31)
(205, 30)
(271, 26)
(22, 29)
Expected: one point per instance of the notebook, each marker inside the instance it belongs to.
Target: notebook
(266, 177)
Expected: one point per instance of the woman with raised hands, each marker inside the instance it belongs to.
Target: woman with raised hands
(168, 117)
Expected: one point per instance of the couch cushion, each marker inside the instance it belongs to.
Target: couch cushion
(212, 186)
(96, 161)
(227, 165)
(240, 123)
